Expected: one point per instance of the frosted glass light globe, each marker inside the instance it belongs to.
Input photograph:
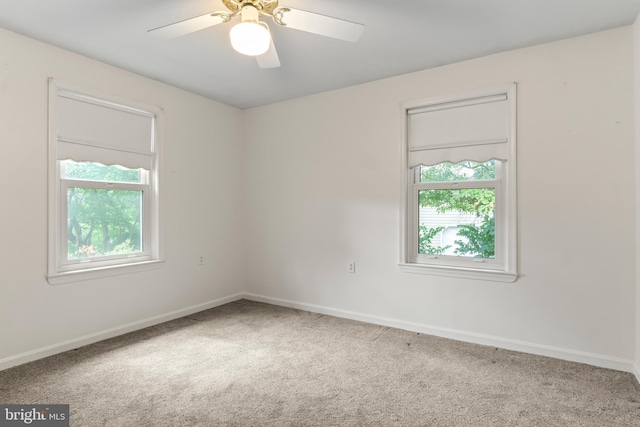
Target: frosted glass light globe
(250, 38)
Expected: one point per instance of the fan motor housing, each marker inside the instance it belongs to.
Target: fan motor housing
(266, 6)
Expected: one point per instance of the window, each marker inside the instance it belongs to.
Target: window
(103, 206)
(459, 205)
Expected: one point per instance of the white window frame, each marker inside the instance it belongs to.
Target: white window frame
(65, 264)
(503, 267)
(62, 270)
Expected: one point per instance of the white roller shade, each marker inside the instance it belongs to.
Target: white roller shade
(96, 131)
(473, 129)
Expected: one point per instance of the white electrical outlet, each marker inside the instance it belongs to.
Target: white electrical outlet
(351, 267)
(200, 259)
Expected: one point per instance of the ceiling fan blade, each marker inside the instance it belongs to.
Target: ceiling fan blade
(318, 24)
(269, 59)
(191, 25)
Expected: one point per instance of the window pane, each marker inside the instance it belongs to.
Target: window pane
(457, 222)
(99, 172)
(464, 171)
(103, 222)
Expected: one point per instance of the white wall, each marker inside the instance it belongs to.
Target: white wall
(322, 188)
(319, 181)
(198, 207)
(636, 50)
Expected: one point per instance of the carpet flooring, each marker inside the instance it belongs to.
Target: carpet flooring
(253, 364)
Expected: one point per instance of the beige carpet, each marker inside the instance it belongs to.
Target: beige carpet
(253, 364)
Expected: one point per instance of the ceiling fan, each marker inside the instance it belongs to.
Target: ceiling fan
(252, 36)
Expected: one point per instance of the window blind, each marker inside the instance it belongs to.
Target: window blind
(97, 131)
(473, 129)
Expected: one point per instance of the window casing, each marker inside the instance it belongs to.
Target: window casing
(476, 127)
(103, 186)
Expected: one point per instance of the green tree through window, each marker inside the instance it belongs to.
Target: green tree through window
(102, 221)
(476, 238)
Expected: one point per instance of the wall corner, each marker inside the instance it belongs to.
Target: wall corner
(636, 73)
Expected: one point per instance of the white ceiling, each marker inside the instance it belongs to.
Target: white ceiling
(401, 36)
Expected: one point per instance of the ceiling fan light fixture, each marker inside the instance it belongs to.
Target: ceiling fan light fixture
(250, 37)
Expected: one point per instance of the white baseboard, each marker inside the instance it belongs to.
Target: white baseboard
(50, 350)
(525, 347)
(488, 340)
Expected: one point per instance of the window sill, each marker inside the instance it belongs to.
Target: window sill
(100, 272)
(463, 273)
